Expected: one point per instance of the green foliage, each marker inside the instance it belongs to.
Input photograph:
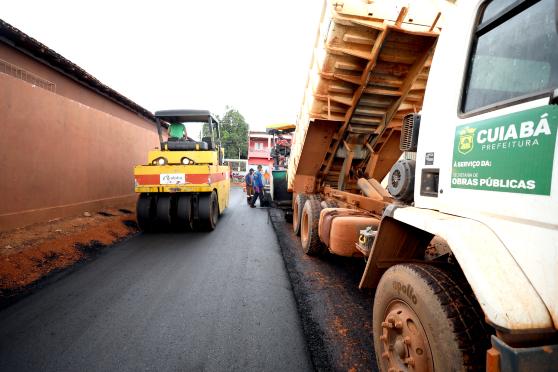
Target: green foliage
(234, 134)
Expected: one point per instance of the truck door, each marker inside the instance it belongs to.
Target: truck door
(488, 130)
(499, 126)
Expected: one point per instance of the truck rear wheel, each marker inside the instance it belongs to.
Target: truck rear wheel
(184, 220)
(145, 212)
(425, 319)
(299, 202)
(208, 211)
(309, 238)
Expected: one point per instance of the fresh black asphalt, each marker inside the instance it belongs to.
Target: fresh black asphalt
(218, 301)
(336, 315)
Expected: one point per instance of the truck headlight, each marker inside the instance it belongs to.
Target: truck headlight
(159, 161)
(187, 161)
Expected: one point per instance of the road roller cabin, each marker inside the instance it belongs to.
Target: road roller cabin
(184, 185)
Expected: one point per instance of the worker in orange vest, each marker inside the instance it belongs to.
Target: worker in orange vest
(267, 176)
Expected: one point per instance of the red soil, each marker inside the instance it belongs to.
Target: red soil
(29, 253)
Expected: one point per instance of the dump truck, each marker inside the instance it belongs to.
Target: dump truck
(426, 145)
(184, 185)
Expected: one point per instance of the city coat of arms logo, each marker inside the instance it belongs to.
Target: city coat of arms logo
(466, 140)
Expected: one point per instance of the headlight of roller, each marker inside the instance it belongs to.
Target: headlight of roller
(159, 161)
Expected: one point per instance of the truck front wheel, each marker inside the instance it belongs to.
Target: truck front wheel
(426, 319)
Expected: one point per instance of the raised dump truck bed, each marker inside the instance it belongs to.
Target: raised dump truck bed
(369, 69)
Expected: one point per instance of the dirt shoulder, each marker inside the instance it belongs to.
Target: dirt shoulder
(30, 254)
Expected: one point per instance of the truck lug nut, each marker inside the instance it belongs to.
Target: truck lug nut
(387, 325)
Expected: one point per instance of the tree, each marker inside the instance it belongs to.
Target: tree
(234, 134)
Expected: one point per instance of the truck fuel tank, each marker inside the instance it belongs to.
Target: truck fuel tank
(339, 229)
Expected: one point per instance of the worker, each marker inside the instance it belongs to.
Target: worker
(267, 176)
(177, 132)
(258, 187)
(249, 180)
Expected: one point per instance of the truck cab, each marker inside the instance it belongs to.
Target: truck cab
(485, 176)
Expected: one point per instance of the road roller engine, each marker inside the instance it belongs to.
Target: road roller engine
(184, 185)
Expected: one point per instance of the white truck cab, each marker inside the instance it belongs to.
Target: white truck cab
(486, 182)
(489, 128)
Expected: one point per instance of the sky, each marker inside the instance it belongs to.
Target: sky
(252, 55)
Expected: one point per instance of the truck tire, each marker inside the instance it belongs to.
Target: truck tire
(328, 204)
(309, 238)
(145, 212)
(299, 202)
(315, 197)
(163, 214)
(208, 211)
(427, 317)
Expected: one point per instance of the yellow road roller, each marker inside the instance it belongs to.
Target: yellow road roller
(184, 185)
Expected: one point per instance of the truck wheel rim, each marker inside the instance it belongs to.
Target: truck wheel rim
(404, 344)
(304, 228)
(295, 213)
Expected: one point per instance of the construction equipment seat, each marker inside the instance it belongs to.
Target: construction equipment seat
(185, 145)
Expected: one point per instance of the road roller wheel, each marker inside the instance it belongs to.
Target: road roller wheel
(208, 211)
(163, 213)
(183, 219)
(145, 212)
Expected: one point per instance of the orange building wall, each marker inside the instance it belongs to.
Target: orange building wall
(60, 157)
(66, 86)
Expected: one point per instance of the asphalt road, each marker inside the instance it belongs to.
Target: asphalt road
(219, 301)
(336, 315)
